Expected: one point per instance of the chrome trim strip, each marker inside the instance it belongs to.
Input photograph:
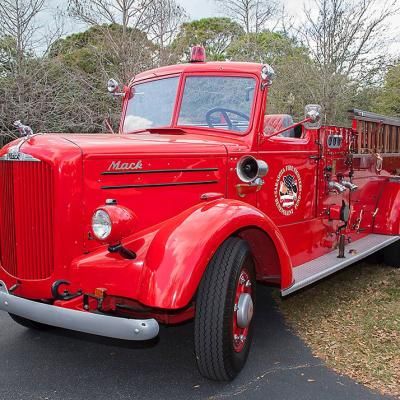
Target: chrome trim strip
(14, 153)
(158, 185)
(81, 321)
(158, 171)
(20, 160)
(323, 266)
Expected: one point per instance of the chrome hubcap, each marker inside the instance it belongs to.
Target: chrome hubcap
(245, 310)
(242, 311)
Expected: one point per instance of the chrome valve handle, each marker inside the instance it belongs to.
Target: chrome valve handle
(337, 187)
(349, 185)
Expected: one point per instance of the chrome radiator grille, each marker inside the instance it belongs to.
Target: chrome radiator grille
(26, 219)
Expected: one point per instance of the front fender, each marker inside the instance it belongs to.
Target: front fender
(183, 246)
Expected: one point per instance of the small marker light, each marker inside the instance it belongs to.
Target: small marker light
(197, 54)
(100, 293)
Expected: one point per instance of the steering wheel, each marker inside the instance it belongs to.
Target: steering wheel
(224, 112)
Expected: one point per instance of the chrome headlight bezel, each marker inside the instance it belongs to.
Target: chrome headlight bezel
(101, 224)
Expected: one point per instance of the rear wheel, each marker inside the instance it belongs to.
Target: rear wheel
(391, 255)
(27, 323)
(224, 311)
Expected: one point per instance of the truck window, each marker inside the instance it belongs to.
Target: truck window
(152, 105)
(276, 122)
(217, 102)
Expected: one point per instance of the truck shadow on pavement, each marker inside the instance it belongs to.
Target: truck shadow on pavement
(59, 364)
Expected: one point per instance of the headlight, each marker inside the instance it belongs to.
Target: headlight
(101, 224)
(112, 223)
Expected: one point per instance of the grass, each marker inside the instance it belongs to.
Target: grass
(352, 321)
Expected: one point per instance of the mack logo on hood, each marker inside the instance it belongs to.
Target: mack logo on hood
(125, 166)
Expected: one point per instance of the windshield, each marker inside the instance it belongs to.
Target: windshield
(152, 105)
(217, 102)
(207, 102)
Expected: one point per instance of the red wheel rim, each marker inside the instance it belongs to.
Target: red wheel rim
(243, 286)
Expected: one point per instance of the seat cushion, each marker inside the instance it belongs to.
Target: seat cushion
(276, 122)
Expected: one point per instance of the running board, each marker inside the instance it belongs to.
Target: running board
(321, 267)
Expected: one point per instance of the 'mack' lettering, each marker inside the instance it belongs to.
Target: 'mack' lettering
(120, 166)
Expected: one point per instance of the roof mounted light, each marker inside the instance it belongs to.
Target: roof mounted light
(197, 54)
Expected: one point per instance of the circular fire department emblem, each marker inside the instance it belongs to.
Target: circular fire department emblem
(288, 190)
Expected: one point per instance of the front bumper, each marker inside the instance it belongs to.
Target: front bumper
(97, 324)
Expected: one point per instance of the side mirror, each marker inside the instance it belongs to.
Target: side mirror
(267, 75)
(313, 114)
(113, 88)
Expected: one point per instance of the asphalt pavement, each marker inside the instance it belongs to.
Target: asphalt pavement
(64, 365)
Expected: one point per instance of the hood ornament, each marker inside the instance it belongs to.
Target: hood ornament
(24, 130)
(14, 153)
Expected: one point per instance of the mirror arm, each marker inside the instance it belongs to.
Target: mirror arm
(108, 125)
(309, 119)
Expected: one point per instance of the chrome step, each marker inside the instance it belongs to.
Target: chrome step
(328, 264)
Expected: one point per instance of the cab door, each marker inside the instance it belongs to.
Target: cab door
(289, 194)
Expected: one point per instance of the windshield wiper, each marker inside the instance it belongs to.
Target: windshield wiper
(162, 131)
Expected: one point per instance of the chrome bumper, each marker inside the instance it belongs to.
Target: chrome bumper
(96, 324)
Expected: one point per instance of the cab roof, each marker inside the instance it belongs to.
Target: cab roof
(200, 67)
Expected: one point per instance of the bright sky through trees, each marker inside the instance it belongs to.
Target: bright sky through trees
(208, 8)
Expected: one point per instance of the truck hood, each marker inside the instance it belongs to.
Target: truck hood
(156, 176)
(116, 145)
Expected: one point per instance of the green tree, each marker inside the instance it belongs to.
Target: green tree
(51, 97)
(347, 41)
(8, 55)
(95, 55)
(253, 15)
(293, 87)
(265, 47)
(215, 34)
(96, 51)
(388, 101)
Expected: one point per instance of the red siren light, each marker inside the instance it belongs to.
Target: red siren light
(197, 54)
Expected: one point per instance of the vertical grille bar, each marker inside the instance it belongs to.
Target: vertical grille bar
(26, 219)
(7, 218)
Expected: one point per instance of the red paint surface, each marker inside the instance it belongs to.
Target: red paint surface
(185, 207)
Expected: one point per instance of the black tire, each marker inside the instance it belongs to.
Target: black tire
(215, 351)
(391, 255)
(27, 323)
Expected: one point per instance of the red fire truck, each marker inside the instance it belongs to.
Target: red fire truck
(199, 196)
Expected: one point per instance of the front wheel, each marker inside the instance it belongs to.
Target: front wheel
(224, 311)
